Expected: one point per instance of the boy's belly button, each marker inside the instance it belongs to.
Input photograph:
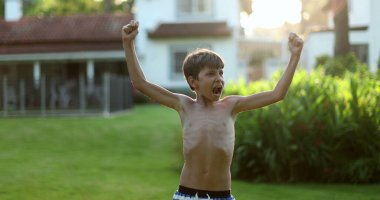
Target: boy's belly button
(205, 172)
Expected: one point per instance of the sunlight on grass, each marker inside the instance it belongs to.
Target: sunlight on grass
(133, 156)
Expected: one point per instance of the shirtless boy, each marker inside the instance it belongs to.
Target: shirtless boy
(207, 120)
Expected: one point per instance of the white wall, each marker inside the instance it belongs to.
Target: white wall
(363, 13)
(318, 43)
(358, 12)
(374, 35)
(155, 54)
(229, 11)
(13, 10)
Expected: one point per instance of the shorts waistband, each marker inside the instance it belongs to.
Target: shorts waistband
(204, 193)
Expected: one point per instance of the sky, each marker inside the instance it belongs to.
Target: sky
(272, 14)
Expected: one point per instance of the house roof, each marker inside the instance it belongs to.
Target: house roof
(329, 29)
(62, 33)
(183, 30)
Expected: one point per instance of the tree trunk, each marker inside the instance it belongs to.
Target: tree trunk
(246, 6)
(342, 44)
(108, 6)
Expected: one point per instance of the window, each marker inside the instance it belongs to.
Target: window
(178, 55)
(195, 8)
(361, 52)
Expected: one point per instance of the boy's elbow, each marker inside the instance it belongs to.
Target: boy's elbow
(279, 96)
(138, 84)
(282, 97)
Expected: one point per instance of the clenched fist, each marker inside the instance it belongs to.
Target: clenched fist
(130, 31)
(295, 44)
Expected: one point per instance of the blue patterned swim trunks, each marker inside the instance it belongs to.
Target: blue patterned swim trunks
(185, 193)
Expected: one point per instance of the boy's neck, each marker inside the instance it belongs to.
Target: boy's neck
(203, 101)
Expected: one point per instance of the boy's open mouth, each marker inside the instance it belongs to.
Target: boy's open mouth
(217, 90)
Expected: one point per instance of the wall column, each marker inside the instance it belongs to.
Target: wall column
(36, 73)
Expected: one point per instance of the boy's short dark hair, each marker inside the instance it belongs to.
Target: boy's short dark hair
(197, 60)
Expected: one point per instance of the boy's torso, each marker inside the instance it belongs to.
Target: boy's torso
(208, 145)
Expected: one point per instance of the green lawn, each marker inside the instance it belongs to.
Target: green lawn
(132, 156)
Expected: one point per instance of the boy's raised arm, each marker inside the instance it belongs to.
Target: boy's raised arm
(269, 97)
(157, 93)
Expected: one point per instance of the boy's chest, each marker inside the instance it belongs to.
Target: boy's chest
(198, 118)
(202, 127)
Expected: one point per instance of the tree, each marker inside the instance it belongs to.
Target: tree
(341, 30)
(246, 6)
(2, 6)
(313, 15)
(2, 16)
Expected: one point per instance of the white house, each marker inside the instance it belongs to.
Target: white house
(169, 29)
(61, 63)
(364, 35)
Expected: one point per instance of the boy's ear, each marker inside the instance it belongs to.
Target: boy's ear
(192, 82)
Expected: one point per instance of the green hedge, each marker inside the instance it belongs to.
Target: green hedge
(326, 130)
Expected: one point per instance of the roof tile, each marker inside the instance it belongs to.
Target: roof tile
(182, 30)
(60, 29)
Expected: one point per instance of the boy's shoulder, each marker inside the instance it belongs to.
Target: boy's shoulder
(231, 99)
(184, 97)
(184, 100)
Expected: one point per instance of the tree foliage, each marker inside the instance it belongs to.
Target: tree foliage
(2, 9)
(67, 7)
(326, 130)
(59, 7)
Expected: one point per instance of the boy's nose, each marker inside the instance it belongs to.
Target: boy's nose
(220, 78)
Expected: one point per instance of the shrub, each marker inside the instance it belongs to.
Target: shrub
(322, 60)
(326, 130)
(338, 66)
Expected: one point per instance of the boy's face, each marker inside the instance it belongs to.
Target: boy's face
(210, 83)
